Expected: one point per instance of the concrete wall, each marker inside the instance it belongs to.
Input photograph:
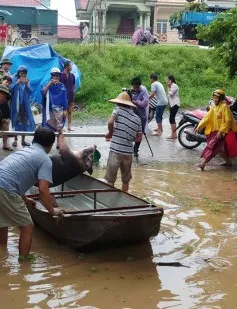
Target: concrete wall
(164, 13)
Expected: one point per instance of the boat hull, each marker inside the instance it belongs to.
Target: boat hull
(112, 226)
(99, 231)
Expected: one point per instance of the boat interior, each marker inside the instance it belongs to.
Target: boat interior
(85, 193)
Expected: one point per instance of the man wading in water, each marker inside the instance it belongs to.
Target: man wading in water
(124, 128)
(18, 173)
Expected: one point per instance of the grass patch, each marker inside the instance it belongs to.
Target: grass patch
(104, 74)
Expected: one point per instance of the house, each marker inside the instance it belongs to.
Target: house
(220, 4)
(163, 10)
(31, 20)
(119, 18)
(25, 3)
(115, 17)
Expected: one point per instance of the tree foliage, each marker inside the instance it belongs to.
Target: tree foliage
(190, 7)
(222, 35)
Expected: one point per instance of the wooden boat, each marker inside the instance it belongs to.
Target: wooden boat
(97, 215)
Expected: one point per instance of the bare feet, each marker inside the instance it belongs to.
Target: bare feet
(171, 137)
(201, 166)
(156, 133)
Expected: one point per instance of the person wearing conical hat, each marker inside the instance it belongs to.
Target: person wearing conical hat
(55, 103)
(125, 128)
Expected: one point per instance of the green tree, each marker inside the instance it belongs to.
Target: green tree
(222, 35)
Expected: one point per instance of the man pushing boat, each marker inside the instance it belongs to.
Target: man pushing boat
(18, 173)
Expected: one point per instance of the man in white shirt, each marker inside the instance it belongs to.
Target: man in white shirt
(158, 92)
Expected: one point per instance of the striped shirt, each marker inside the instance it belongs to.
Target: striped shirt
(126, 126)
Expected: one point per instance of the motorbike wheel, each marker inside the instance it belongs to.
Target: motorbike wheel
(182, 137)
(151, 114)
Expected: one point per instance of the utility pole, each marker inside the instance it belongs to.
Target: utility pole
(99, 23)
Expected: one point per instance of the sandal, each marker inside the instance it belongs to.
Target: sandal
(25, 144)
(8, 148)
(226, 164)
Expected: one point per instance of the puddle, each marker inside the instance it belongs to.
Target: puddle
(199, 230)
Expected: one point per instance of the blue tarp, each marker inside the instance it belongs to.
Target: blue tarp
(39, 59)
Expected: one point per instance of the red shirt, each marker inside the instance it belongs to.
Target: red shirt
(3, 31)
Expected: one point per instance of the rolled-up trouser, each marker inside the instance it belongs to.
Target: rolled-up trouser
(159, 113)
(115, 162)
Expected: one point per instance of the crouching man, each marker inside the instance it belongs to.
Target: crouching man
(124, 128)
(18, 173)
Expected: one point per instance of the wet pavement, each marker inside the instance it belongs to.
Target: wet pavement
(199, 230)
(164, 150)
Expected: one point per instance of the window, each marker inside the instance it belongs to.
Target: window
(25, 31)
(46, 30)
(162, 25)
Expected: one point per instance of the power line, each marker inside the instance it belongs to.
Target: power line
(58, 13)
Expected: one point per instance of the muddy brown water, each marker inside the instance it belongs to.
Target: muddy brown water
(199, 230)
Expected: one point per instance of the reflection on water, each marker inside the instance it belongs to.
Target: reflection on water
(199, 230)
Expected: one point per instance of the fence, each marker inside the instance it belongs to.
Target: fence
(111, 38)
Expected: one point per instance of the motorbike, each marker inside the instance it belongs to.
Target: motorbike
(152, 109)
(187, 125)
(190, 120)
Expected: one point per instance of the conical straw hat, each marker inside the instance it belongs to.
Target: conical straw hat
(124, 99)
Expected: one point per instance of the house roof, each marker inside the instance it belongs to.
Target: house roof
(81, 4)
(68, 32)
(19, 2)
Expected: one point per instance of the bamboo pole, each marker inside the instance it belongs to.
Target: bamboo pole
(15, 133)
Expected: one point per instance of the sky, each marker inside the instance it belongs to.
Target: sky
(65, 8)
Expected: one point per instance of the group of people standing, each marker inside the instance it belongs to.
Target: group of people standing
(15, 104)
(129, 121)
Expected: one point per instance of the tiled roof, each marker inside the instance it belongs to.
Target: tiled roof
(68, 32)
(81, 4)
(19, 2)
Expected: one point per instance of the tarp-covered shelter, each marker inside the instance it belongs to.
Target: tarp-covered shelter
(39, 59)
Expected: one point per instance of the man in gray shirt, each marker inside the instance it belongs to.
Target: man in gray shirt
(158, 92)
(18, 173)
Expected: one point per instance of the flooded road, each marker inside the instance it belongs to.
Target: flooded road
(199, 230)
